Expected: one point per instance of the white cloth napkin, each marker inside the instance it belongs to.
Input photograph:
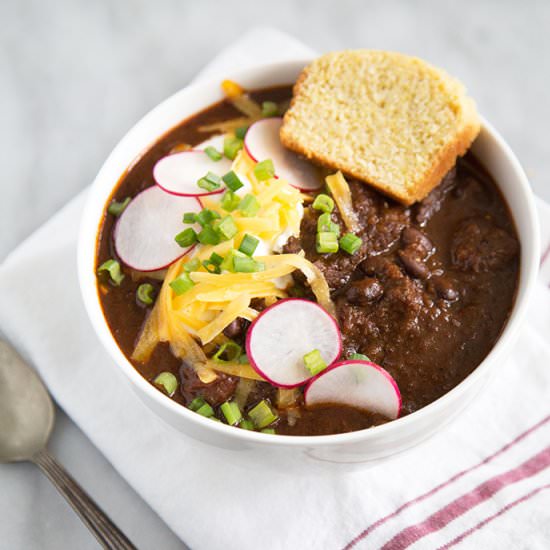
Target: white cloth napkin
(483, 482)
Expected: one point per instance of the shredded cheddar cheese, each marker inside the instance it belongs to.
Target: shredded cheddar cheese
(339, 188)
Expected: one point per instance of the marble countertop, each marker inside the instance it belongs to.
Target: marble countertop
(75, 75)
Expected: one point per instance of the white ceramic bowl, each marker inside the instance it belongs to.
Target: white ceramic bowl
(356, 447)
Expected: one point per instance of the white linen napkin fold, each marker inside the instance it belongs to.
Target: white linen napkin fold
(483, 482)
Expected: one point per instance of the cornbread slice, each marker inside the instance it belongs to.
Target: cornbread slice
(384, 118)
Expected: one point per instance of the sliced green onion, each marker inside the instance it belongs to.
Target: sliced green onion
(213, 153)
(241, 132)
(262, 415)
(246, 425)
(269, 108)
(186, 238)
(247, 265)
(358, 357)
(208, 236)
(232, 181)
(230, 201)
(211, 267)
(243, 359)
(264, 170)
(231, 146)
(227, 228)
(182, 284)
(314, 362)
(216, 259)
(268, 431)
(113, 268)
(324, 203)
(145, 293)
(326, 225)
(192, 265)
(350, 243)
(189, 217)
(326, 243)
(210, 182)
(232, 413)
(228, 352)
(249, 206)
(228, 263)
(168, 382)
(196, 404)
(117, 208)
(205, 410)
(207, 216)
(249, 244)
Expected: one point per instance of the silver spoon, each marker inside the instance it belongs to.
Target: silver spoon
(26, 421)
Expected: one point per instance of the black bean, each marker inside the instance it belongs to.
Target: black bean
(414, 265)
(364, 291)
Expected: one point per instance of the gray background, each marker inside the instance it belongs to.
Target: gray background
(75, 75)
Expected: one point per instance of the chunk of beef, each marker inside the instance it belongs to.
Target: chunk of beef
(479, 245)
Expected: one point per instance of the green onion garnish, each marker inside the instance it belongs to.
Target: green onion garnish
(231, 146)
(326, 225)
(358, 357)
(113, 268)
(246, 425)
(262, 415)
(117, 208)
(206, 216)
(228, 352)
(232, 413)
(228, 262)
(243, 359)
(314, 362)
(145, 293)
(227, 228)
(208, 236)
(192, 265)
(232, 181)
(168, 382)
(211, 267)
(264, 170)
(189, 217)
(248, 244)
(213, 153)
(247, 265)
(230, 201)
(268, 431)
(196, 404)
(326, 243)
(350, 243)
(249, 206)
(216, 259)
(324, 203)
(241, 132)
(186, 238)
(182, 284)
(269, 108)
(210, 182)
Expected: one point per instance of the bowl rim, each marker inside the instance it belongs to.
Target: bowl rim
(88, 232)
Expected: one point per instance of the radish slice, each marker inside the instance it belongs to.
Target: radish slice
(178, 173)
(359, 384)
(144, 234)
(282, 334)
(262, 142)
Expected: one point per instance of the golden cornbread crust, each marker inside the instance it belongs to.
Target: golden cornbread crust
(390, 120)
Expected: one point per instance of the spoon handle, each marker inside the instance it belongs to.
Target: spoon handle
(104, 530)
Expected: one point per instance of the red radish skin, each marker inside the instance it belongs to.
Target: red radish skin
(289, 371)
(144, 233)
(178, 173)
(387, 402)
(262, 142)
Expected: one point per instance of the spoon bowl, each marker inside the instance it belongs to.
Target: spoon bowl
(26, 409)
(26, 421)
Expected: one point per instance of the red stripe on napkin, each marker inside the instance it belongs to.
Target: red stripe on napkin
(454, 478)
